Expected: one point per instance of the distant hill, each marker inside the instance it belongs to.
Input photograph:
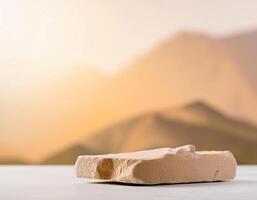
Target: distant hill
(68, 156)
(183, 68)
(243, 47)
(186, 67)
(12, 161)
(196, 123)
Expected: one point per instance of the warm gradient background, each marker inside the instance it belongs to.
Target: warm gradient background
(82, 77)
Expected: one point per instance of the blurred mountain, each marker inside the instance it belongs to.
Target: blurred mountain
(196, 123)
(243, 47)
(68, 156)
(12, 161)
(184, 68)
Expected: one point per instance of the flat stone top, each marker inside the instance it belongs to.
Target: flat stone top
(156, 153)
(59, 182)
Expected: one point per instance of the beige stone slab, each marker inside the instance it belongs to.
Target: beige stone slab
(157, 166)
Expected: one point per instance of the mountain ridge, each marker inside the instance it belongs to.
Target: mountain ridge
(183, 68)
(155, 129)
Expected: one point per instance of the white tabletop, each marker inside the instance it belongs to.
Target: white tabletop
(59, 182)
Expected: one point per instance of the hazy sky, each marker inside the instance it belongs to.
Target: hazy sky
(107, 33)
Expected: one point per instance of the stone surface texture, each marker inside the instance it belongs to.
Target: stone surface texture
(159, 166)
